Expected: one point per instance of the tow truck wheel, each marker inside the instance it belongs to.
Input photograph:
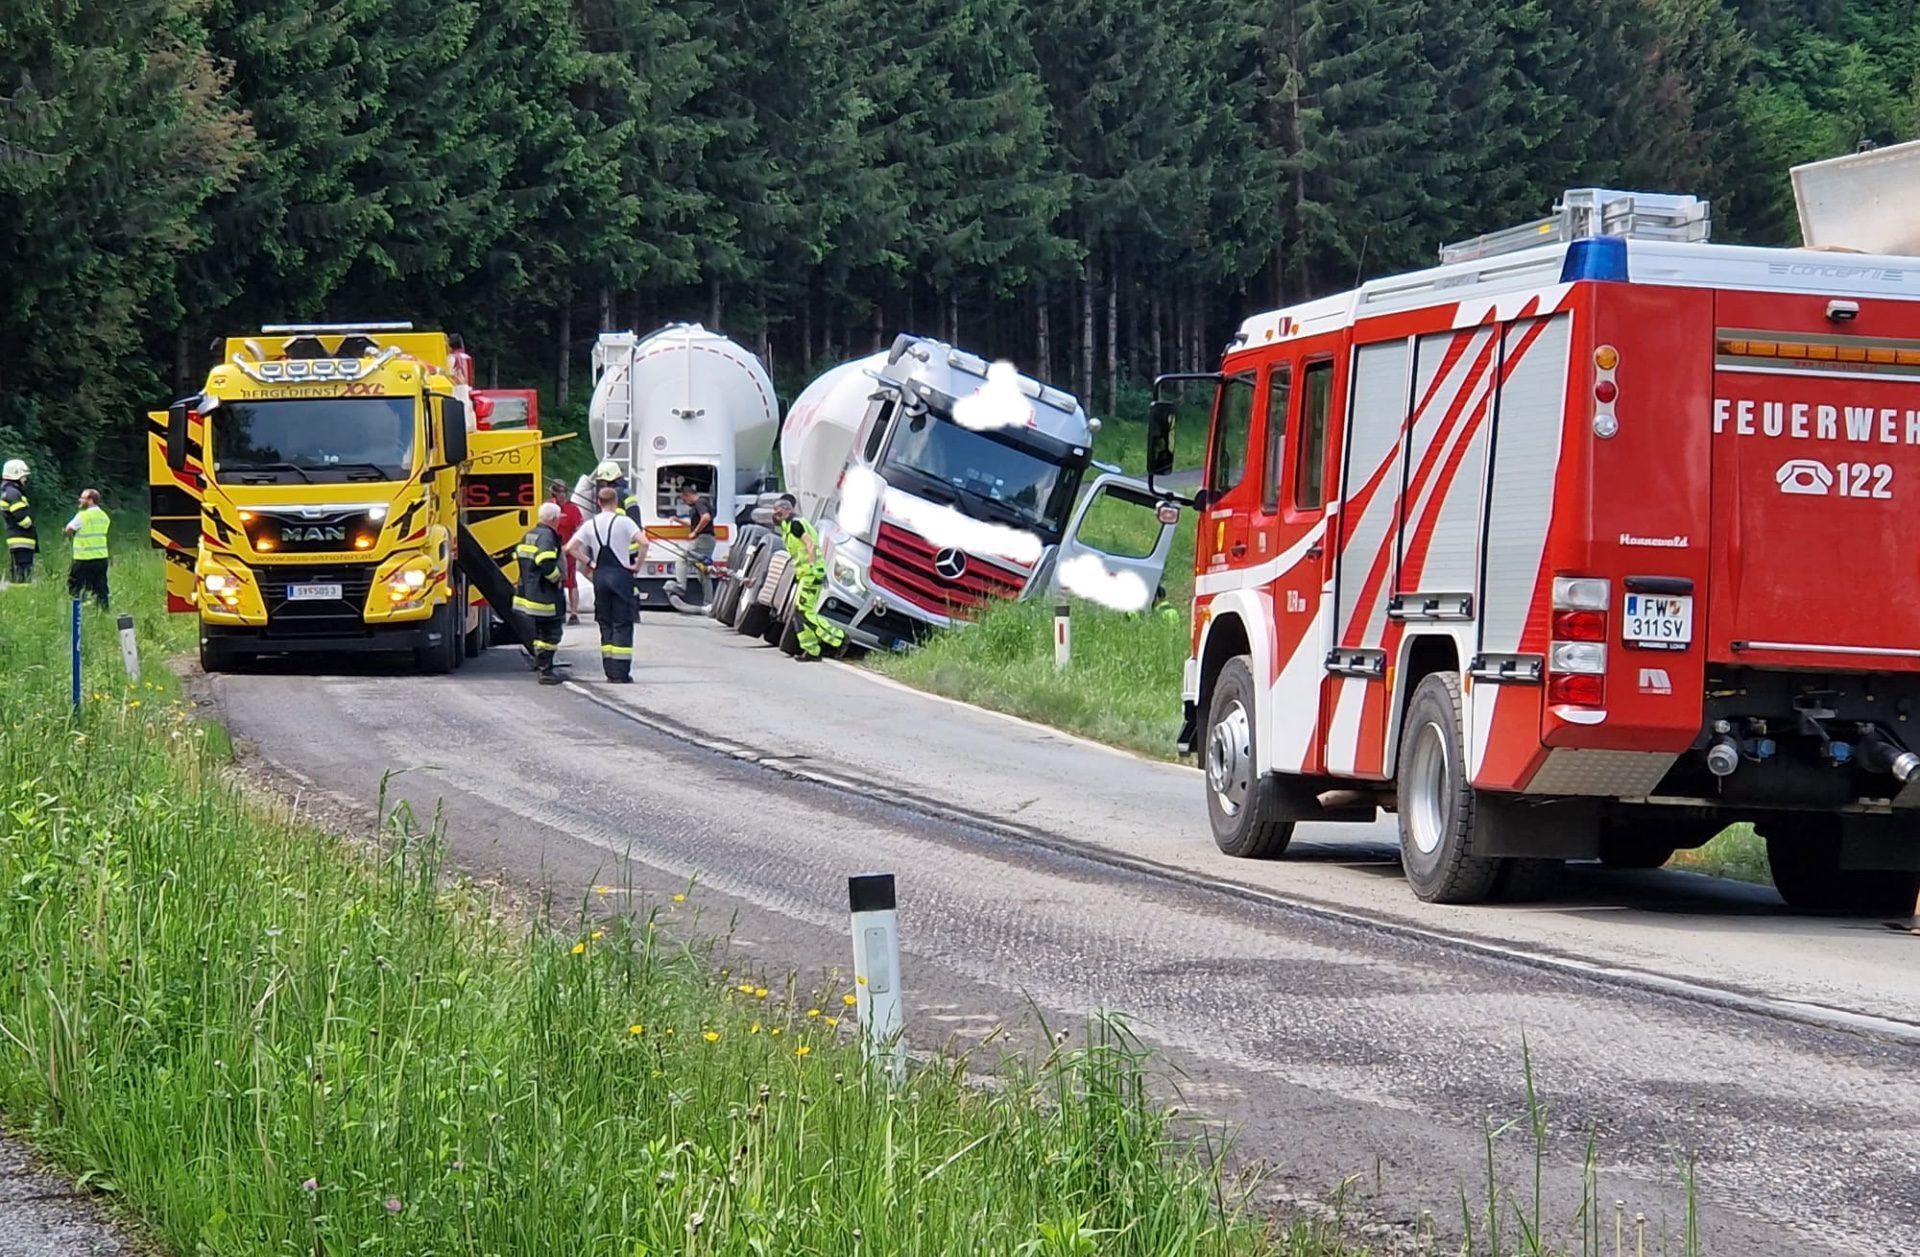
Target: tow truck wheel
(481, 638)
(438, 660)
(1240, 801)
(215, 657)
(1438, 805)
(789, 642)
(1803, 852)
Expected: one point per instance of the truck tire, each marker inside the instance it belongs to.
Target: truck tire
(217, 656)
(1803, 853)
(1439, 808)
(726, 600)
(751, 618)
(481, 638)
(789, 642)
(1240, 802)
(431, 660)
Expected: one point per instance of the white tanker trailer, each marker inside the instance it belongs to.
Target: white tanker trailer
(682, 406)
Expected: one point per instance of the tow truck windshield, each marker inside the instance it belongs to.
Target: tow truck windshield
(314, 440)
(1004, 481)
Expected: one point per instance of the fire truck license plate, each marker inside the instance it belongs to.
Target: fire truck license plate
(1664, 620)
(312, 593)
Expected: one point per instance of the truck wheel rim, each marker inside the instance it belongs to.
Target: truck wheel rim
(1230, 759)
(1426, 780)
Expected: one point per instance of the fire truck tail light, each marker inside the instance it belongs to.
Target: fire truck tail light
(1606, 357)
(1605, 391)
(1580, 593)
(1576, 690)
(1589, 658)
(1580, 626)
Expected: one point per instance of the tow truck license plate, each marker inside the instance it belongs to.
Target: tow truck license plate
(1663, 620)
(312, 593)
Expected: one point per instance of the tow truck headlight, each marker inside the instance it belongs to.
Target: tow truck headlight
(222, 587)
(847, 574)
(407, 587)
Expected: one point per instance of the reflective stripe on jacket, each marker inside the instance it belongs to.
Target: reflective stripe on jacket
(540, 572)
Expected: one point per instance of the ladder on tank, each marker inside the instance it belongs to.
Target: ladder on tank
(613, 356)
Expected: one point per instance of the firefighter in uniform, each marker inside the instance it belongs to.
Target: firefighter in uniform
(16, 520)
(809, 578)
(88, 528)
(610, 545)
(541, 596)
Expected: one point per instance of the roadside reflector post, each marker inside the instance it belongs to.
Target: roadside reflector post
(876, 971)
(76, 654)
(1062, 635)
(129, 649)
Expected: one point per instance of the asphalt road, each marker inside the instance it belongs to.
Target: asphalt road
(1344, 1031)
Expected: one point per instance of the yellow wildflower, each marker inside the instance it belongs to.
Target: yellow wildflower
(711, 1036)
(133, 703)
(756, 1028)
(775, 1032)
(849, 1000)
(813, 1012)
(861, 980)
(833, 1021)
(803, 1050)
(578, 948)
(636, 1028)
(745, 988)
(603, 890)
(597, 935)
(759, 992)
(679, 898)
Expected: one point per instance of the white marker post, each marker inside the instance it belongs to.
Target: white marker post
(129, 649)
(1062, 635)
(876, 971)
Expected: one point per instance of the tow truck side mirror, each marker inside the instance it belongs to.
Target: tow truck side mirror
(177, 437)
(453, 432)
(1160, 438)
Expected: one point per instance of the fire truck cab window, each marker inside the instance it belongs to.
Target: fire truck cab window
(877, 436)
(1310, 466)
(1232, 430)
(1279, 393)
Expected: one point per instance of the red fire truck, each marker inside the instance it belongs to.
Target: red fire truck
(1586, 543)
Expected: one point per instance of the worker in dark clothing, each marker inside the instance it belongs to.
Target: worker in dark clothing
(88, 528)
(804, 546)
(541, 595)
(696, 558)
(16, 521)
(611, 545)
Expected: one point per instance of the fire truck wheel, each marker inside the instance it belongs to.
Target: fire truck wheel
(1240, 802)
(1804, 855)
(1439, 808)
(217, 657)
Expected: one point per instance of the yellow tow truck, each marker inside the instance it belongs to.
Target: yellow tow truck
(337, 488)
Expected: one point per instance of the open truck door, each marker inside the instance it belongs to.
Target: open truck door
(1115, 548)
(174, 455)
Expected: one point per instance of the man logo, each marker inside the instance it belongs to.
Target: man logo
(331, 532)
(951, 564)
(1655, 681)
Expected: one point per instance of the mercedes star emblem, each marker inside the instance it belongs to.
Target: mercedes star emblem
(951, 564)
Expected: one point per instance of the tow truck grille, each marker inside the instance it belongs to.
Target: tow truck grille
(345, 614)
(903, 564)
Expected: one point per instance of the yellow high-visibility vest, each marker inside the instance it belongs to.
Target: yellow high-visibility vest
(90, 539)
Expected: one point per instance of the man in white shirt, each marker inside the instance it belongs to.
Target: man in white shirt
(610, 546)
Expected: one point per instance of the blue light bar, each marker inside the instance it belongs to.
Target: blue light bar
(1596, 257)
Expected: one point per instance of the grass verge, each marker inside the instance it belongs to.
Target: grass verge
(265, 1039)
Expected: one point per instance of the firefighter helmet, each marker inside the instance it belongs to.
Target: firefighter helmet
(16, 469)
(607, 472)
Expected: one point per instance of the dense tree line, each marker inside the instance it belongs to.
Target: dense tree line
(1096, 188)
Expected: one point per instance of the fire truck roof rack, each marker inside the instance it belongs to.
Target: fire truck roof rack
(1585, 212)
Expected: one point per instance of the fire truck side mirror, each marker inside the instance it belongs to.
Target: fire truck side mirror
(177, 437)
(1160, 438)
(453, 431)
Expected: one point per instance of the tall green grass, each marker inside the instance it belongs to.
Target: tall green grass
(266, 1040)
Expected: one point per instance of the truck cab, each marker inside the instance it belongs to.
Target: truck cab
(932, 506)
(311, 497)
